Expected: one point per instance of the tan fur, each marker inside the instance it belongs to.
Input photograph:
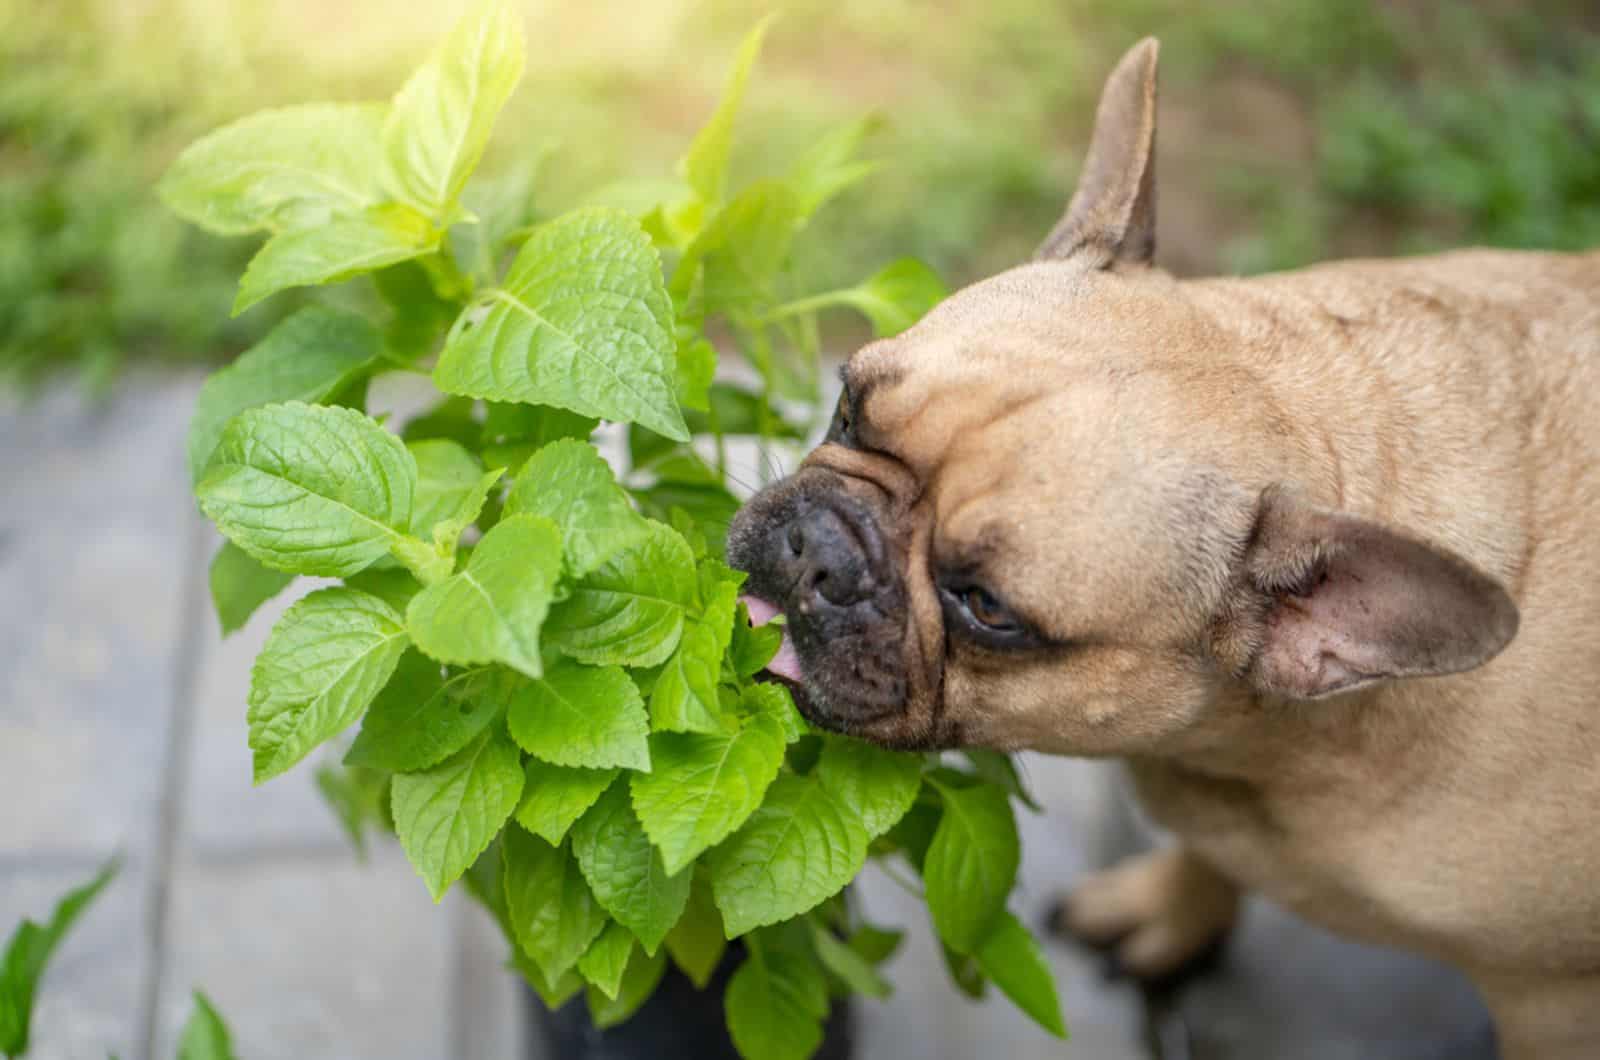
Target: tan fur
(1096, 441)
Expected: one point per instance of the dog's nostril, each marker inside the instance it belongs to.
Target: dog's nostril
(796, 539)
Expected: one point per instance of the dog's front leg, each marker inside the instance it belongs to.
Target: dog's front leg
(1160, 909)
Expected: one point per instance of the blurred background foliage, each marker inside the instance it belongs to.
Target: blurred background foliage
(1291, 130)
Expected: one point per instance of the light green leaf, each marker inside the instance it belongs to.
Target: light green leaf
(394, 585)
(445, 817)
(971, 864)
(582, 716)
(830, 165)
(878, 785)
(493, 610)
(421, 718)
(311, 356)
(569, 483)
(743, 250)
(1011, 956)
(441, 119)
(582, 322)
(698, 940)
(29, 951)
(775, 1006)
(357, 797)
(554, 993)
(553, 914)
(337, 250)
(685, 695)
(797, 849)
(326, 658)
(701, 787)
(449, 479)
(308, 489)
(705, 167)
(853, 969)
(897, 296)
(630, 610)
(289, 167)
(697, 367)
(752, 647)
(513, 433)
(239, 585)
(774, 701)
(205, 1036)
(603, 963)
(553, 797)
(625, 871)
(639, 981)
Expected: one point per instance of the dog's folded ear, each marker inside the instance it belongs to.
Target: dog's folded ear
(1340, 602)
(1113, 213)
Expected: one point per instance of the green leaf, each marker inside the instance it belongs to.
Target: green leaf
(449, 484)
(697, 367)
(630, 610)
(337, 250)
(897, 296)
(705, 167)
(553, 914)
(569, 483)
(698, 940)
(876, 945)
(582, 322)
(554, 993)
(323, 662)
(853, 969)
(1000, 769)
(493, 610)
(582, 716)
(964, 972)
(29, 951)
(878, 785)
(775, 1006)
(308, 489)
(774, 701)
(239, 585)
(625, 871)
(553, 797)
(830, 165)
(639, 981)
(971, 864)
(685, 695)
(418, 314)
(421, 717)
(1011, 956)
(205, 1036)
(441, 119)
(743, 249)
(448, 815)
(701, 786)
(393, 585)
(797, 849)
(356, 796)
(310, 356)
(289, 167)
(752, 647)
(603, 963)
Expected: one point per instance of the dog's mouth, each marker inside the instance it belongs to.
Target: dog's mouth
(786, 664)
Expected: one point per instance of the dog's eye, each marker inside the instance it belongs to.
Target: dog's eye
(839, 429)
(988, 612)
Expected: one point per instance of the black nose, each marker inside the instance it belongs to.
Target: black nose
(825, 559)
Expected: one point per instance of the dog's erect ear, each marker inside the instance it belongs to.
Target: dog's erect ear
(1343, 602)
(1112, 216)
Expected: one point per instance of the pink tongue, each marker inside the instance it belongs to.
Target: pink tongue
(786, 663)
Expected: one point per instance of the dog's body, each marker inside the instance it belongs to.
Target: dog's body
(1205, 525)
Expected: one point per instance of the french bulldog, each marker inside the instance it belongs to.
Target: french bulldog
(1317, 554)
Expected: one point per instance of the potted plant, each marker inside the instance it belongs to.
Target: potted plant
(559, 692)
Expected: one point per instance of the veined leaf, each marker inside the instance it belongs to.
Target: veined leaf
(448, 815)
(570, 484)
(702, 787)
(289, 167)
(553, 914)
(311, 356)
(705, 167)
(308, 489)
(743, 249)
(326, 658)
(337, 250)
(239, 585)
(797, 849)
(448, 480)
(878, 785)
(897, 296)
(582, 716)
(1011, 957)
(971, 864)
(493, 610)
(625, 872)
(698, 940)
(421, 717)
(582, 322)
(553, 797)
(441, 120)
(775, 1005)
(629, 610)
(685, 695)
(603, 963)
(639, 981)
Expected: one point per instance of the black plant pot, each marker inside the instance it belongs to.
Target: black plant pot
(677, 1023)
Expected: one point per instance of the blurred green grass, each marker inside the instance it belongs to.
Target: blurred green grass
(1291, 130)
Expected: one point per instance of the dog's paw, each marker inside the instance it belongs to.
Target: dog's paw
(1157, 912)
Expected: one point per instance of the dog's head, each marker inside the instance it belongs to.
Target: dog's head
(1047, 516)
